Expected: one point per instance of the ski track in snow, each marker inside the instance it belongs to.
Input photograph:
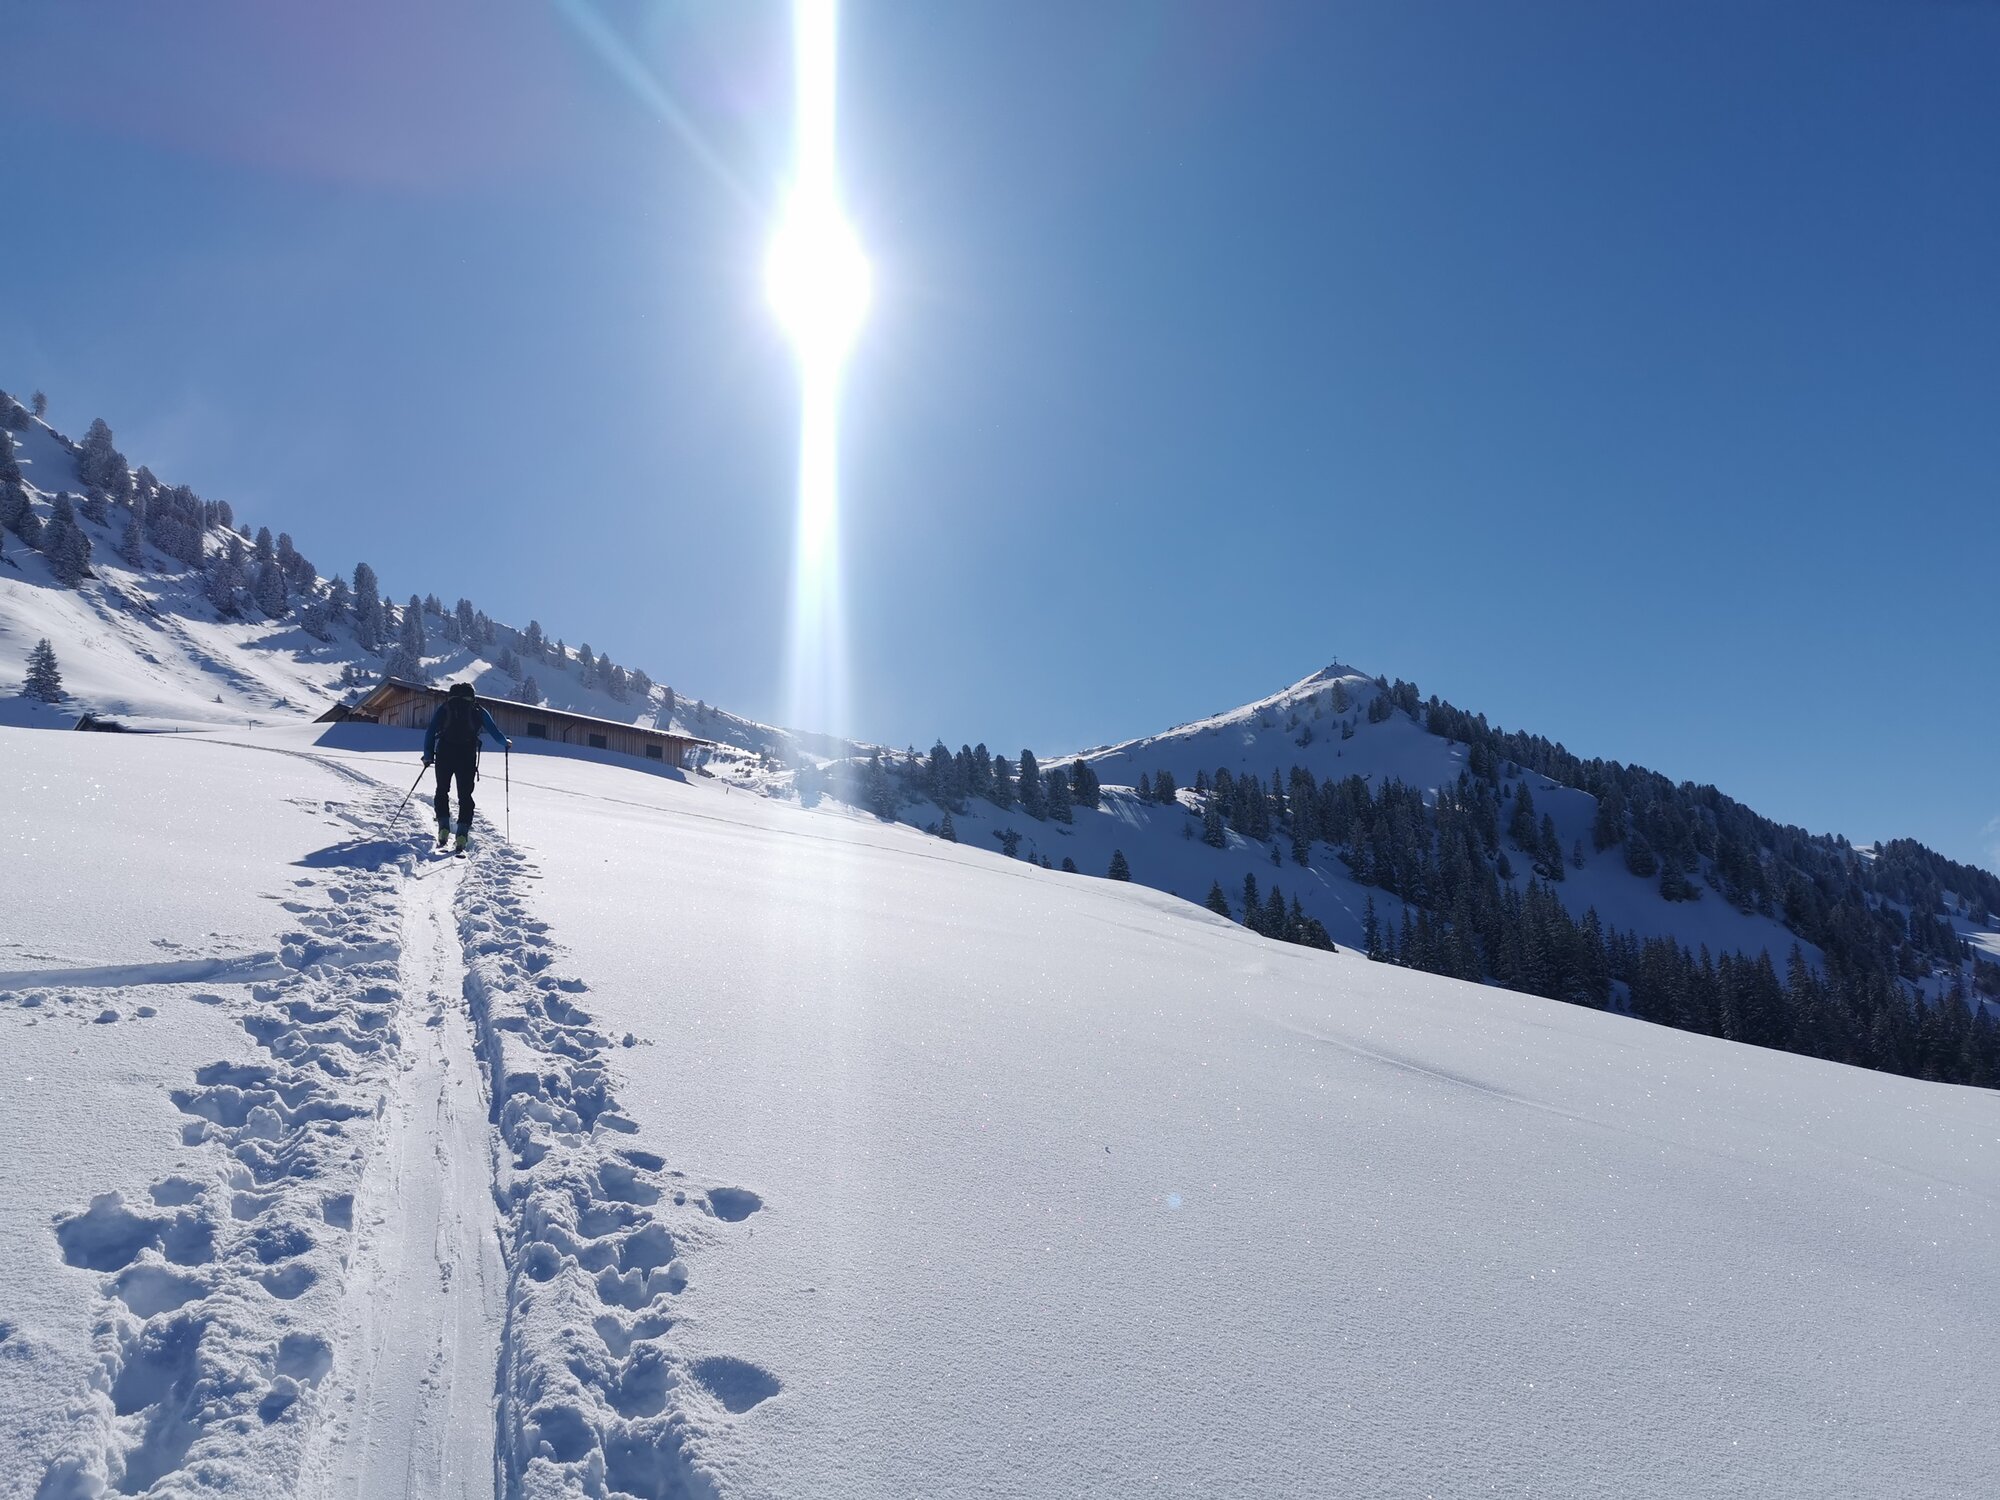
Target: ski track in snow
(423, 1252)
(410, 1409)
(595, 1400)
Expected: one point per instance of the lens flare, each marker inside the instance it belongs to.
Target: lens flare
(819, 284)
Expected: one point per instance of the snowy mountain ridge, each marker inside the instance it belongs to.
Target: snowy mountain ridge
(1282, 699)
(1566, 871)
(140, 639)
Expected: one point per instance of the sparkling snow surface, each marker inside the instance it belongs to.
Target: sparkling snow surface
(1073, 1188)
(829, 1159)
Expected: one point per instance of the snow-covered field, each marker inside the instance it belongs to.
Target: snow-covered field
(696, 1143)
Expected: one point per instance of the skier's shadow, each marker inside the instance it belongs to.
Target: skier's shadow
(356, 854)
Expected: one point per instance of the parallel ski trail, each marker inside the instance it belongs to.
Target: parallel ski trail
(426, 1294)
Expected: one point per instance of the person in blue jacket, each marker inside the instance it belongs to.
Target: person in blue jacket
(452, 744)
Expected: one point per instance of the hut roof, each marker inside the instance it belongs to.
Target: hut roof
(387, 685)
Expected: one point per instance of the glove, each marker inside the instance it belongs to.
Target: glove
(509, 745)
(427, 762)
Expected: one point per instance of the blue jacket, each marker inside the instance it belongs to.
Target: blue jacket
(437, 723)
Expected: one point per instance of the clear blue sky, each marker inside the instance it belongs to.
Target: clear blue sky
(1630, 373)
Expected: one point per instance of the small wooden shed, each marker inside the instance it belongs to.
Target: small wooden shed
(410, 705)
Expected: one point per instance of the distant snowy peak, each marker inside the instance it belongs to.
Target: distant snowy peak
(1335, 688)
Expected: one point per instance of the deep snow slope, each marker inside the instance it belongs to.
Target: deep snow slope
(147, 647)
(700, 1144)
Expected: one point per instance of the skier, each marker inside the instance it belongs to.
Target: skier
(452, 743)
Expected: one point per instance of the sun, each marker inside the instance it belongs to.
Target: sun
(817, 279)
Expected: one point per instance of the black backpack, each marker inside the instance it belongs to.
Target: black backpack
(458, 737)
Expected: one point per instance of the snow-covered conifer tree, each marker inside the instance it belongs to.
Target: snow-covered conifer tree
(1057, 795)
(407, 660)
(131, 546)
(65, 545)
(1034, 797)
(99, 463)
(44, 676)
(1001, 794)
(1212, 833)
(367, 607)
(269, 589)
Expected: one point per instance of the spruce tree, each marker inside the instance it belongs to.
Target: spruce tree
(367, 607)
(40, 403)
(269, 589)
(1212, 833)
(946, 831)
(1069, 865)
(1056, 795)
(407, 660)
(1002, 793)
(1522, 828)
(1034, 797)
(1083, 784)
(879, 794)
(99, 464)
(44, 676)
(67, 548)
(132, 545)
(1119, 869)
(1217, 902)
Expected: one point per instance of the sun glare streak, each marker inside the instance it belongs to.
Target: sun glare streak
(819, 285)
(630, 70)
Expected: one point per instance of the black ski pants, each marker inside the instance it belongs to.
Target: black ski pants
(465, 769)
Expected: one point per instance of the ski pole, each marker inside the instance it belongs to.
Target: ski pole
(406, 798)
(507, 773)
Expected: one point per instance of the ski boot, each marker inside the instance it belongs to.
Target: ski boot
(444, 833)
(458, 845)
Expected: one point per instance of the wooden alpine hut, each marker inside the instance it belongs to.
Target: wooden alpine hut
(409, 705)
